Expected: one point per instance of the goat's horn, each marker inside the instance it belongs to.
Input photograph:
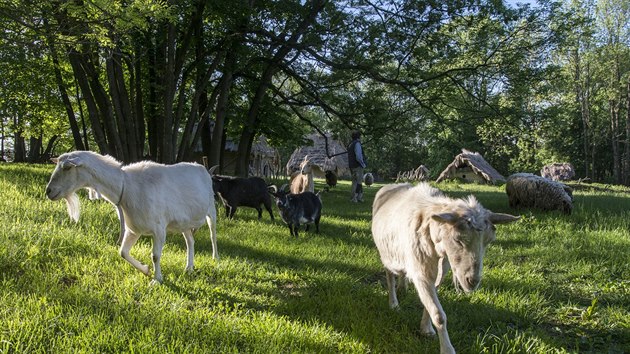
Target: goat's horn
(284, 187)
(273, 189)
(211, 169)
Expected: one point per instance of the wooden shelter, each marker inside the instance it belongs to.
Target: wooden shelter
(317, 153)
(471, 167)
(264, 160)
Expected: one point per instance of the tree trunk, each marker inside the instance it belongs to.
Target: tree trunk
(626, 157)
(74, 126)
(35, 147)
(249, 130)
(82, 80)
(47, 154)
(582, 98)
(216, 150)
(614, 137)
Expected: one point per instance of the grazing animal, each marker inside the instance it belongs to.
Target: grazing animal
(93, 195)
(526, 190)
(154, 199)
(331, 178)
(368, 179)
(302, 181)
(249, 192)
(420, 234)
(296, 209)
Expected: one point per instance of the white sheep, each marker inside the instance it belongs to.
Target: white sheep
(420, 234)
(526, 190)
(154, 199)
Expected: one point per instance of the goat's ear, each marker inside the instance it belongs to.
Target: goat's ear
(499, 218)
(72, 162)
(54, 159)
(449, 218)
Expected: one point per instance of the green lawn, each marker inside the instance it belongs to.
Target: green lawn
(552, 283)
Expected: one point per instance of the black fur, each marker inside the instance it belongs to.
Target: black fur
(295, 208)
(236, 191)
(331, 178)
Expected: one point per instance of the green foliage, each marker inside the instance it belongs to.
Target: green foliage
(552, 283)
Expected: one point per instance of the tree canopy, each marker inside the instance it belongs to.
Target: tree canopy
(138, 79)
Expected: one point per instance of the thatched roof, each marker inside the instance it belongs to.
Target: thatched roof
(558, 171)
(476, 163)
(317, 155)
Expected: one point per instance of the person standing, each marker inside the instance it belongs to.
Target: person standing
(356, 162)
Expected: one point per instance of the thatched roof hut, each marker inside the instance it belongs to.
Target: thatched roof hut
(558, 171)
(318, 156)
(264, 160)
(471, 167)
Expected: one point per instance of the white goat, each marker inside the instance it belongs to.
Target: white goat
(153, 198)
(420, 234)
(302, 181)
(93, 195)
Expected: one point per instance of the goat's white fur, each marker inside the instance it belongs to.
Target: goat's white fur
(302, 181)
(420, 234)
(93, 195)
(154, 199)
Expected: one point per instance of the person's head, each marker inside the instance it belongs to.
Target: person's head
(355, 134)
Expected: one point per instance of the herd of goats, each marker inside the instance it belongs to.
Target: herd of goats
(419, 232)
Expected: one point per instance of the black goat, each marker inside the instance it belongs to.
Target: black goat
(331, 178)
(305, 208)
(237, 191)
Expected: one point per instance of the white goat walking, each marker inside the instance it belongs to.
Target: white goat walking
(420, 234)
(154, 199)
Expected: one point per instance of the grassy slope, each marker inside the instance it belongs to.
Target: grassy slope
(552, 283)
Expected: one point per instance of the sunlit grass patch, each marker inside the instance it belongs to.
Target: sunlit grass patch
(552, 283)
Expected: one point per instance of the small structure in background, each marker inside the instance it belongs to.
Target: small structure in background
(471, 167)
(421, 173)
(316, 153)
(264, 160)
(558, 171)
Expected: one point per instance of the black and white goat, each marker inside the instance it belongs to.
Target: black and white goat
(296, 209)
(236, 191)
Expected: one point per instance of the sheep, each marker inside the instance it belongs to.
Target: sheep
(302, 181)
(236, 191)
(331, 178)
(420, 234)
(530, 191)
(153, 198)
(368, 179)
(305, 208)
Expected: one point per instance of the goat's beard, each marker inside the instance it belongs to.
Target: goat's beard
(72, 201)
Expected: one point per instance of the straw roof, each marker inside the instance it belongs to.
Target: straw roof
(317, 155)
(474, 161)
(558, 171)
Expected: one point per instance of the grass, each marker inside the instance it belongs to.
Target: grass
(552, 283)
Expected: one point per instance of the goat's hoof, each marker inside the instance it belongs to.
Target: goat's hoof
(430, 333)
(155, 282)
(145, 270)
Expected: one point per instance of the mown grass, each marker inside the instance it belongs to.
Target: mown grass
(552, 283)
